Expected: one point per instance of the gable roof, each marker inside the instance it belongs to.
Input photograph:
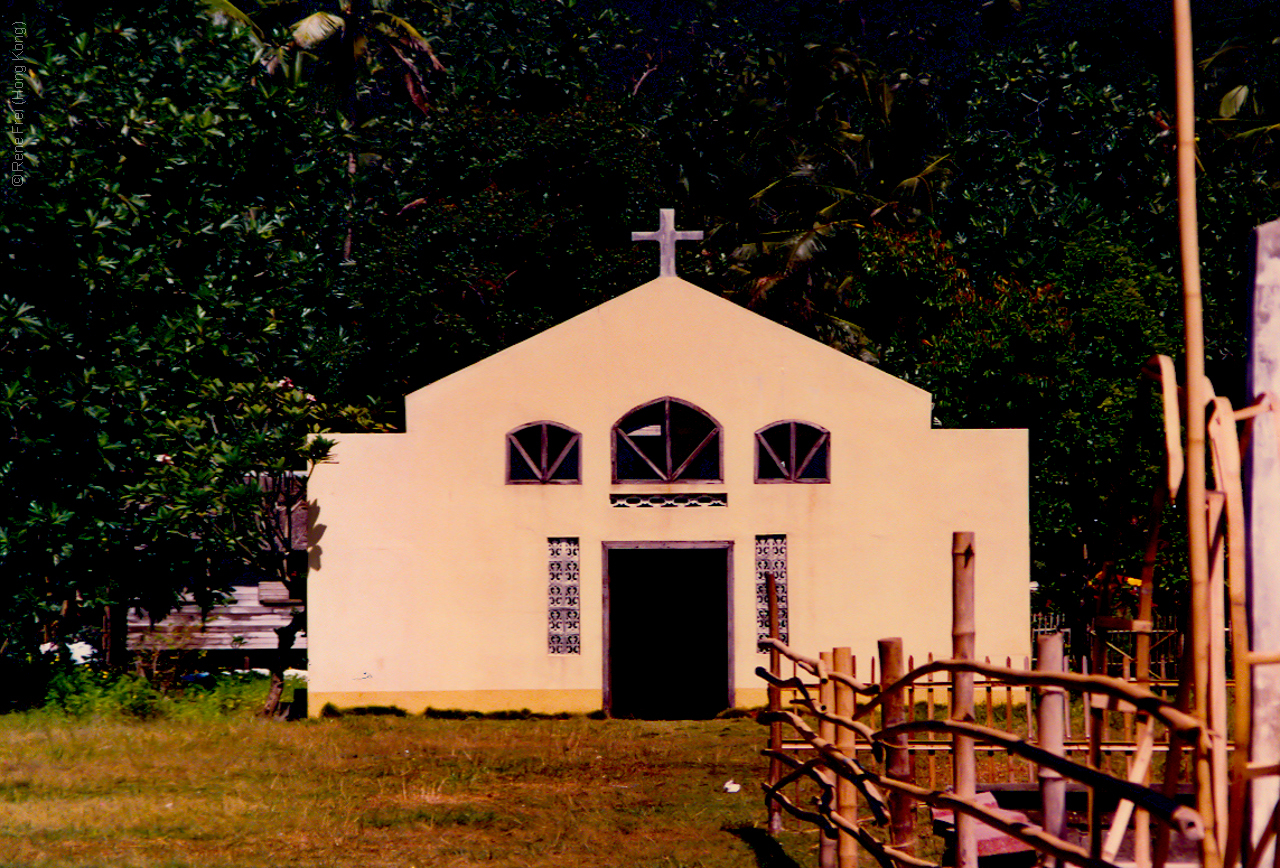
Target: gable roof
(671, 318)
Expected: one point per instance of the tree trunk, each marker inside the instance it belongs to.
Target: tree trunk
(287, 635)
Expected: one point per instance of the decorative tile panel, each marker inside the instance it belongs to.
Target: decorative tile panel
(564, 608)
(771, 557)
(662, 501)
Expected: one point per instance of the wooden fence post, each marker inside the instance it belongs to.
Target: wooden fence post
(827, 732)
(902, 808)
(846, 792)
(1052, 710)
(964, 768)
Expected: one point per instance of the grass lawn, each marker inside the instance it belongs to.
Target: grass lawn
(384, 791)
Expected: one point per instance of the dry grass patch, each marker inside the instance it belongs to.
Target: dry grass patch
(384, 792)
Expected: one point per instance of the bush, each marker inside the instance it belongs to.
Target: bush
(133, 696)
(84, 691)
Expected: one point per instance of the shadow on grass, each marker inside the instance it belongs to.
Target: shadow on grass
(768, 852)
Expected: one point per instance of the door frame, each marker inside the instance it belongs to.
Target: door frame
(608, 546)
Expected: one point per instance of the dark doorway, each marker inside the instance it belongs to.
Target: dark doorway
(668, 639)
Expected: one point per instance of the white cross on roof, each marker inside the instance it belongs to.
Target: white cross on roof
(666, 236)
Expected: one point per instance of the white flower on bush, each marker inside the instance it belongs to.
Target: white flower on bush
(79, 651)
(164, 458)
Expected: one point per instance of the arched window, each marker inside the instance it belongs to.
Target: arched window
(793, 452)
(667, 440)
(544, 453)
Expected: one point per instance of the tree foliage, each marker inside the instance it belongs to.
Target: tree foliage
(156, 259)
(223, 201)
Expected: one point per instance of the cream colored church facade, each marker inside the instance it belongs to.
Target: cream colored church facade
(585, 520)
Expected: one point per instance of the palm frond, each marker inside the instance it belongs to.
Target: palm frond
(400, 28)
(804, 246)
(316, 28)
(769, 187)
(935, 166)
(224, 9)
(413, 81)
(405, 33)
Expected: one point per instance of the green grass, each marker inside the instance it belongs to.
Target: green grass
(113, 773)
(183, 789)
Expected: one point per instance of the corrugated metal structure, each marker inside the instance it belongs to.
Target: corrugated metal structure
(248, 622)
(244, 629)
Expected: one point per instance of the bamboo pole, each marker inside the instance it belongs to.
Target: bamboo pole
(1217, 699)
(827, 732)
(1138, 770)
(902, 831)
(964, 769)
(1225, 447)
(775, 701)
(1146, 613)
(1173, 756)
(846, 792)
(1052, 710)
(1097, 730)
(1197, 398)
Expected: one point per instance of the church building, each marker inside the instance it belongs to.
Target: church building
(586, 520)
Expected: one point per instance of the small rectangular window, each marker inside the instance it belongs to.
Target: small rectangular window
(771, 557)
(564, 606)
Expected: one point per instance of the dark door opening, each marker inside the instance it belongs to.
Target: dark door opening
(668, 639)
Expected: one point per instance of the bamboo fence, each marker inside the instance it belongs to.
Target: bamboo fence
(861, 754)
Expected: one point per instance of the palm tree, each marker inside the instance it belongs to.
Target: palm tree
(362, 36)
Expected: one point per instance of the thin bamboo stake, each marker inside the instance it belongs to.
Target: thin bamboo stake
(827, 731)
(990, 709)
(964, 768)
(1217, 719)
(1197, 398)
(1008, 721)
(929, 712)
(846, 792)
(1126, 716)
(1097, 732)
(1173, 757)
(911, 690)
(1137, 773)
(1146, 612)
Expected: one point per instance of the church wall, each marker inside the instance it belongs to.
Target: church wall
(429, 584)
